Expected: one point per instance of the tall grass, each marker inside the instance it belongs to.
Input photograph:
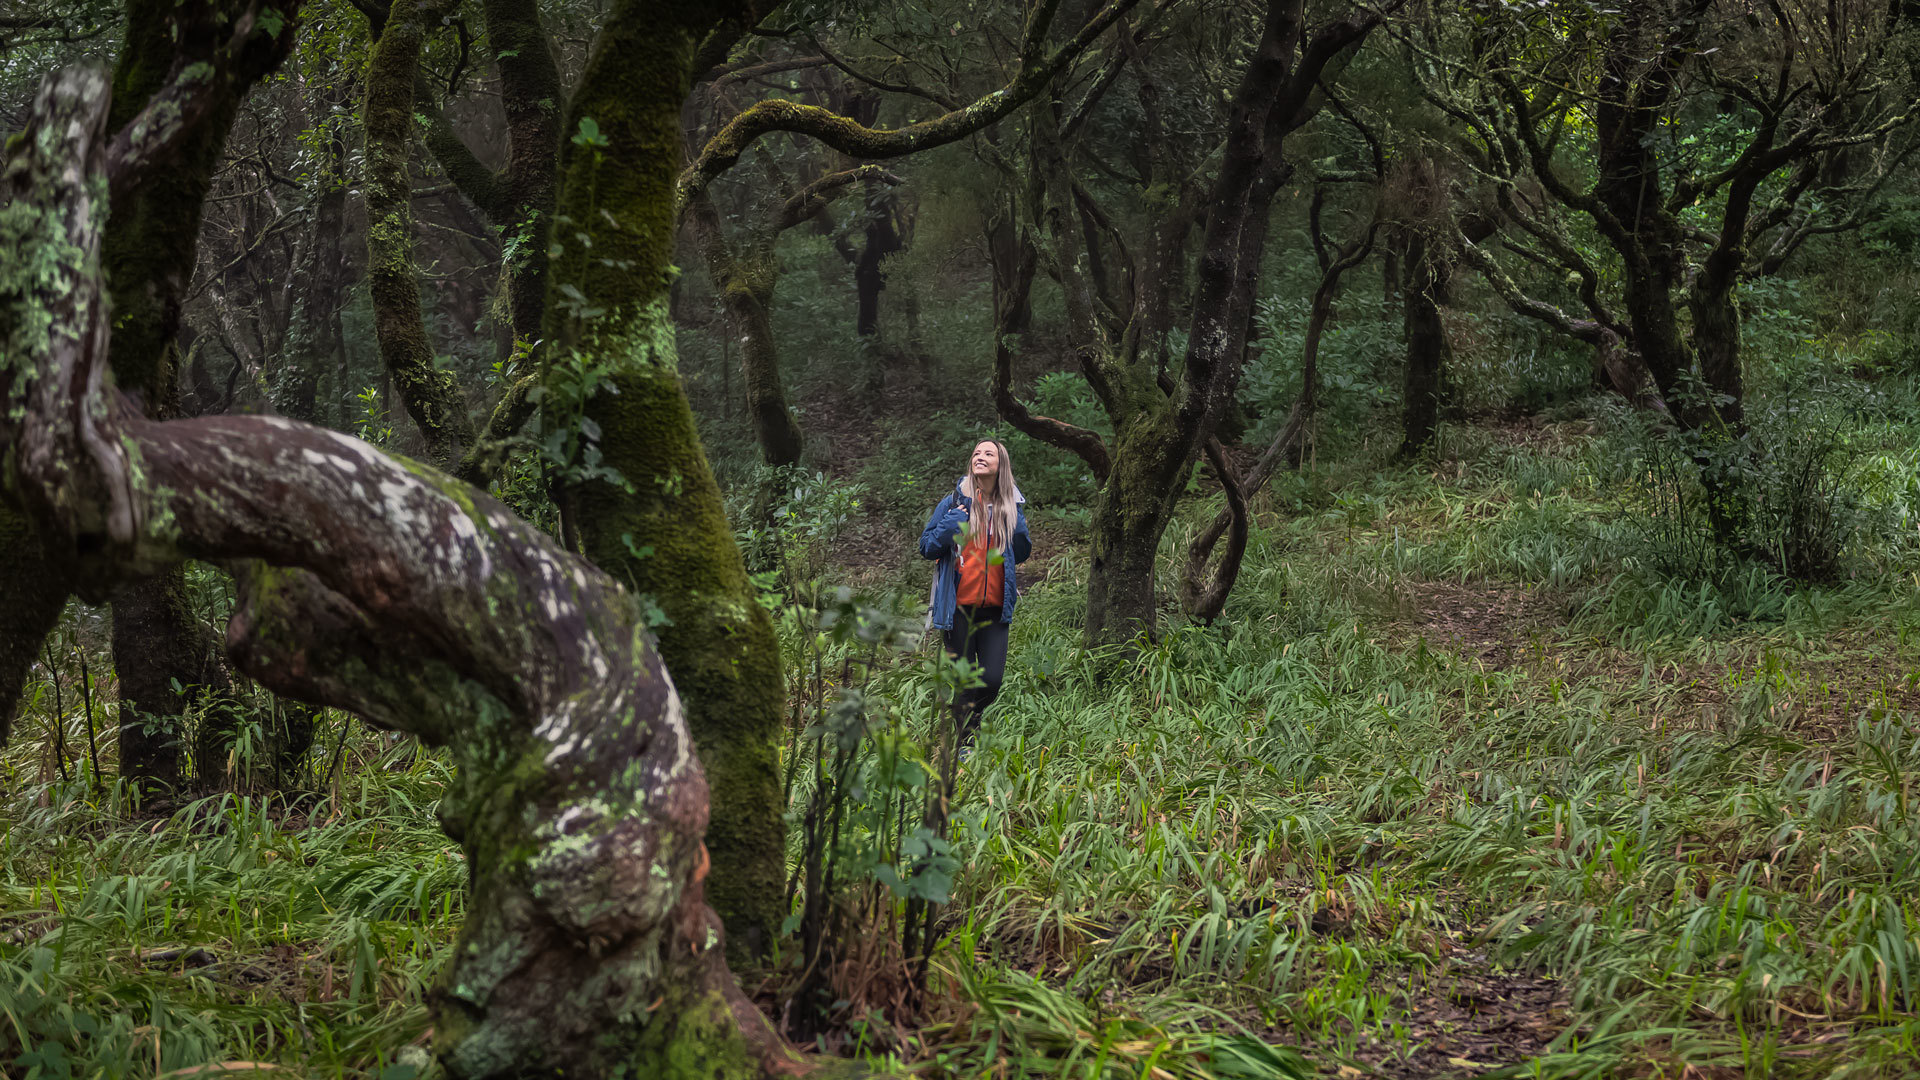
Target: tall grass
(1456, 780)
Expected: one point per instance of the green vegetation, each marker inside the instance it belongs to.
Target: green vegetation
(1462, 782)
(1473, 466)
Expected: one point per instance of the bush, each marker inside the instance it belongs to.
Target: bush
(1804, 493)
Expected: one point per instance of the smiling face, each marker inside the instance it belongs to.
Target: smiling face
(986, 463)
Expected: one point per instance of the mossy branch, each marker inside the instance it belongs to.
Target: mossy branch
(1011, 287)
(200, 84)
(1034, 71)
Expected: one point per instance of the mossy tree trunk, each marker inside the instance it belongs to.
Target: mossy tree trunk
(215, 51)
(1130, 513)
(664, 530)
(745, 281)
(385, 588)
(430, 395)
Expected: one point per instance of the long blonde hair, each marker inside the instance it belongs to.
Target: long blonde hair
(1006, 494)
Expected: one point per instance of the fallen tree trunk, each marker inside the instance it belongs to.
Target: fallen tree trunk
(379, 586)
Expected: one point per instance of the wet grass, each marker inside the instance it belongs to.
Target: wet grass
(1455, 790)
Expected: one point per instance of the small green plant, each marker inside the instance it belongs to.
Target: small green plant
(803, 514)
(371, 420)
(869, 804)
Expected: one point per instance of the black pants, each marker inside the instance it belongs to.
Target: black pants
(979, 637)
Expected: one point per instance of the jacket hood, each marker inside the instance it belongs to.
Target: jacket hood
(960, 488)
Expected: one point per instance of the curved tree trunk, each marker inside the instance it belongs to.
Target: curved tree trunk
(380, 587)
(1204, 597)
(664, 531)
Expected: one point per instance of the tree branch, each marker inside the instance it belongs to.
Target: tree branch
(856, 140)
(194, 92)
(1010, 287)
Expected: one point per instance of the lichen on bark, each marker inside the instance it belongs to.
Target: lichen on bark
(380, 586)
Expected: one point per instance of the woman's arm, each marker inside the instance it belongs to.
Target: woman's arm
(1021, 544)
(941, 528)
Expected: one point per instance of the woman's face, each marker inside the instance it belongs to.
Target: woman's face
(986, 461)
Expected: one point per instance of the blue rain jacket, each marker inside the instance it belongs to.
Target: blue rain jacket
(939, 540)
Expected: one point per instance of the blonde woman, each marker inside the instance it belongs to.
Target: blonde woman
(978, 535)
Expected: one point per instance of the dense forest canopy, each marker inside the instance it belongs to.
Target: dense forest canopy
(471, 470)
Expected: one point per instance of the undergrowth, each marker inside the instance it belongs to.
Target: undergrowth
(1464, 784)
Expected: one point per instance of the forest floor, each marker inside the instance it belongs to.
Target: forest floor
(1454, 789)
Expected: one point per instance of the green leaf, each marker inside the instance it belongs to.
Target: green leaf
(589, 133)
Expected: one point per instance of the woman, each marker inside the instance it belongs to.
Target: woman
(971, 533)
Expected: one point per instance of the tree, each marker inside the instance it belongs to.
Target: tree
(516, 201)
(1205, 583)
(1715, 137)
(431, 395)
(379, 586)
(745, 271)
(745, 274)
(187, 65)
(1423, 238)
(1119, 309)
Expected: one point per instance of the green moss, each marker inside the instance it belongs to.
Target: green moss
(431, 396)
(701, 1041)
(719, 648)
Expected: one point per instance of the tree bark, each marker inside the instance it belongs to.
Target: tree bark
(380, 587)
(664, 530)
(1429, 271)
(431, 396)
(869, 278)
(33, 592)
(1129, 515)
(148, 251)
